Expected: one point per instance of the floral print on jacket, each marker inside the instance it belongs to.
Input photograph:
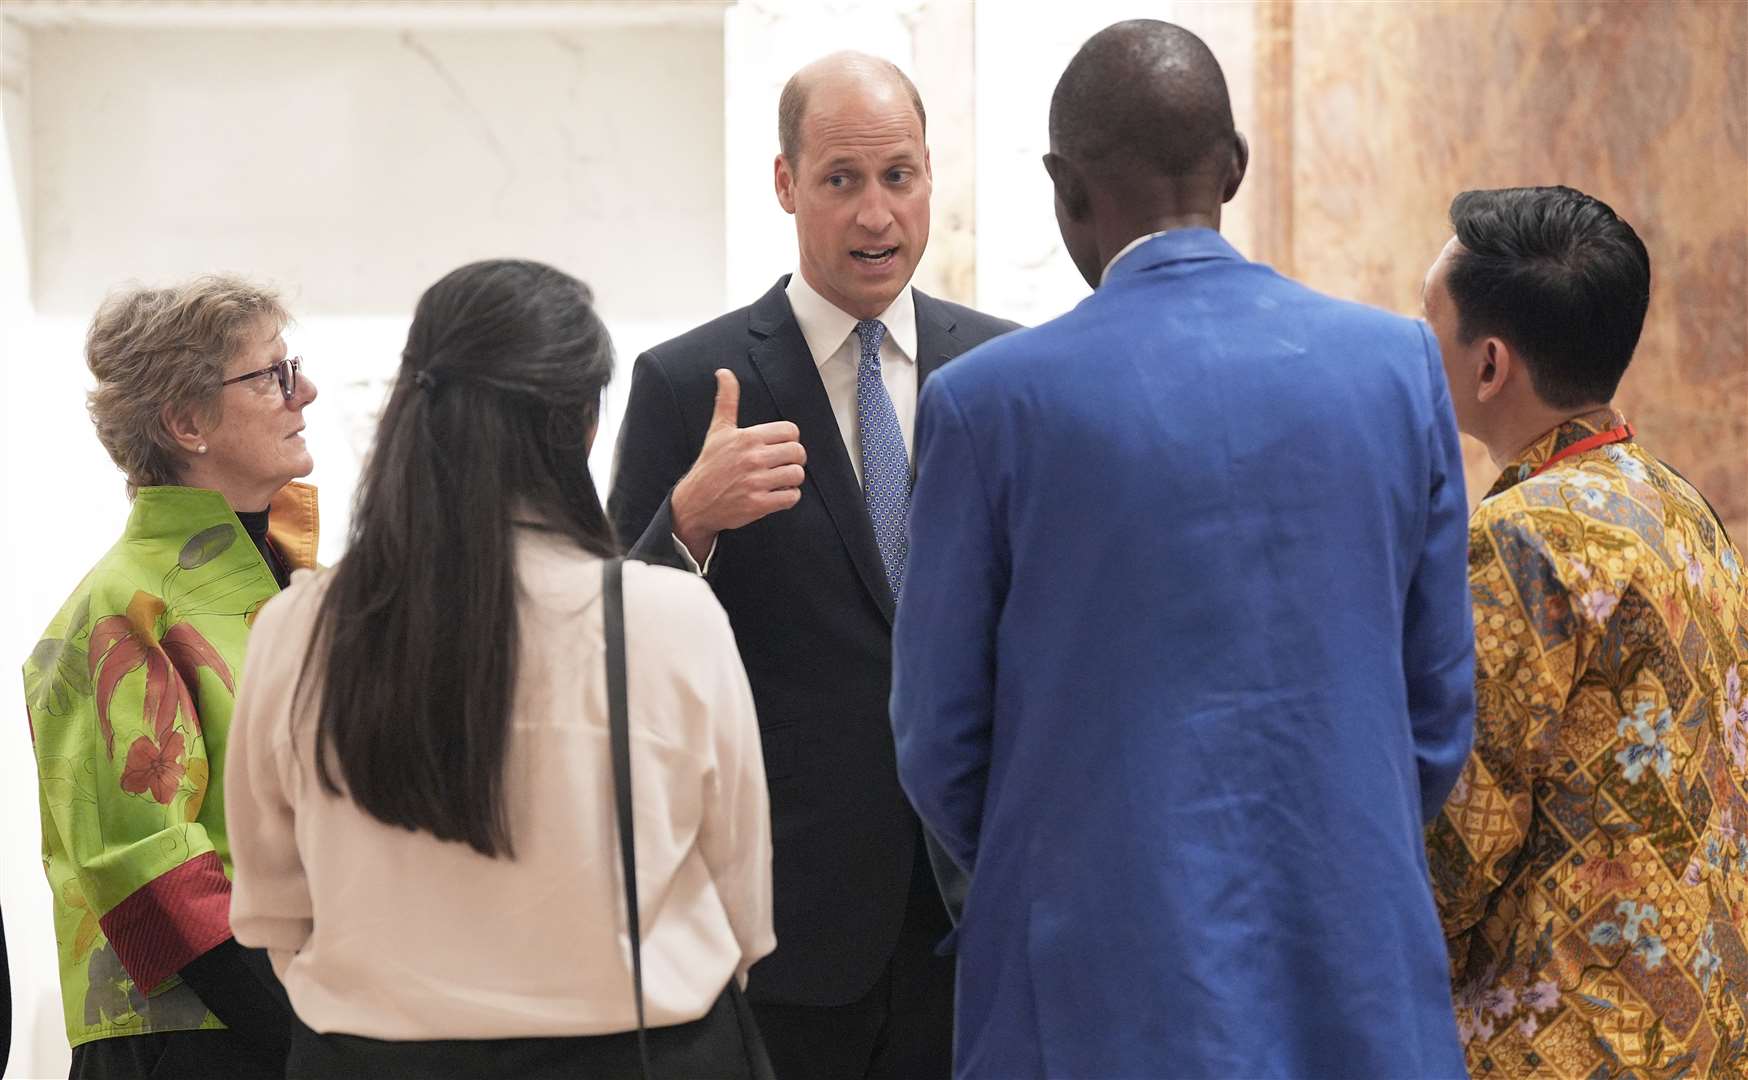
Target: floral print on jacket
(129, 695)
(1591, 866)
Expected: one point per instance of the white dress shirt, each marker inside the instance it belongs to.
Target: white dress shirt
(831, 337)
(390, 934)
(1127, 248)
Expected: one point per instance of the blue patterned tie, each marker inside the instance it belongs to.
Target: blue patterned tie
(885, 465)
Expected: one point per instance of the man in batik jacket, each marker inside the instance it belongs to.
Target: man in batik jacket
(1591, 867)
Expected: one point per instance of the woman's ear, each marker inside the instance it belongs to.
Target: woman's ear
(187, 428)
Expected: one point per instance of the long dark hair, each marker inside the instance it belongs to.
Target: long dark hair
(488, 424)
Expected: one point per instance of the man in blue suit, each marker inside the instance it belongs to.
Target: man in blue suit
(1184, 661)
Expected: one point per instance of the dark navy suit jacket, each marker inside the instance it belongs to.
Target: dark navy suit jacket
(812, 612)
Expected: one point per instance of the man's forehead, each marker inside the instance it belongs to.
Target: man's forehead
(891, 114)
(1435, 272)
(849, 137)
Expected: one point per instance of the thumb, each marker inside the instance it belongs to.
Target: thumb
(727, 412)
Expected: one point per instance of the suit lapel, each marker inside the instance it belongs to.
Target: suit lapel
(935, 341)
(780, 355)
(935, 345)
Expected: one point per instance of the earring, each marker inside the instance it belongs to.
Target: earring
(201, 449)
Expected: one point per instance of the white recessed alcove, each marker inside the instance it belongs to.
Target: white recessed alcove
(352, 153)
(357, 162)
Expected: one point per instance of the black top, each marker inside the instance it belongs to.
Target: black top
(255, 524)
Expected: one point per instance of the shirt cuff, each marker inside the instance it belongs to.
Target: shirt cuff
(171, 920)
(691, 563)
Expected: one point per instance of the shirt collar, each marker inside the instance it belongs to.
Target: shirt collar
(1127, 248)
(1168, 246)
(1556, 439)
(826, 326)
(174, 512)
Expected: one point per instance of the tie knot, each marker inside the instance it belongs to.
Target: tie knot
(872, 332)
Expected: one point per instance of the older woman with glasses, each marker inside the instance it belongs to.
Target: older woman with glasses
(130, 690)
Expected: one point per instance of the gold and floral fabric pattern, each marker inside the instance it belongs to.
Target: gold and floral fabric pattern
(1591, 865)
(129, 695)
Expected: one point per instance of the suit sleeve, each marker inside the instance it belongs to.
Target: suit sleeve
(653, 453)
(943, 680)
(1438, 647)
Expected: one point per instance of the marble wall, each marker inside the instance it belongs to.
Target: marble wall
(1396, 108)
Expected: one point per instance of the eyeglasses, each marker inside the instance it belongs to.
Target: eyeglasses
(285, 371)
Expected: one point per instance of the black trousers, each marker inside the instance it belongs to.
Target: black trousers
(902, 1029)
(713, 1047)
(174, 1055)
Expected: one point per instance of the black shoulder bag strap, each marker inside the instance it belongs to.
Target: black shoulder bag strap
(619, 727)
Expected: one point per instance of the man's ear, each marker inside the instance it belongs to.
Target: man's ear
(1240, 162)
(187, 428)
(1070, 185)
(785, 181)
(1498, 366)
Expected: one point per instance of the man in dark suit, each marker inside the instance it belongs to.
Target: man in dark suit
(769, 449)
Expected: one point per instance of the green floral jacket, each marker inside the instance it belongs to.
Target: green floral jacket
(129, 697)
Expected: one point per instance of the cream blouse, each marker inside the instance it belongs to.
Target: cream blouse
(390, 934)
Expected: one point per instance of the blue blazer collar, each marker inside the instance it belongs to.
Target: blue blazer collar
(1176, 246)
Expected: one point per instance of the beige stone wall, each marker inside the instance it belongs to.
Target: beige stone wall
(1397, 107)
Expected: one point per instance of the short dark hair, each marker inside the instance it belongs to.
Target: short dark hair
(1558, 276)
(1142, 96)
(792, 108)
(486, 430)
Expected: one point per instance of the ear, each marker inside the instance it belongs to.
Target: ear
(1240, 162)
(928, 168)
(187, 427)
(1497, 368)
(1070, 185)
(785, 181)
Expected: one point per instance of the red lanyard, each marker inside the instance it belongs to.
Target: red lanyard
(1601, 438)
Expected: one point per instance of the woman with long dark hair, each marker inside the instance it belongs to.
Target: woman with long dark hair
(422, 801)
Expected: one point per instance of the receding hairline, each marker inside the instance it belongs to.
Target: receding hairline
(845, 66)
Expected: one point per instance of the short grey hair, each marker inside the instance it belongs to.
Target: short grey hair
(168, 347)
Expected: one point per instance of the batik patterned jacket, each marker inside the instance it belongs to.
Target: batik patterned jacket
(129, 697)
(1591, 865)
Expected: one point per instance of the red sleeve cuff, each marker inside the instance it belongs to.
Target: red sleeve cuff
(170, 920)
